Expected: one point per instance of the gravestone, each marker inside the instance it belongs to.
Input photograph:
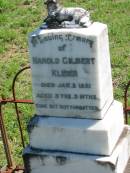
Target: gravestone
(78, 126)
(69, 72)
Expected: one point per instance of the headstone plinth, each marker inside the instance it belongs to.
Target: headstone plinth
(78, 135)
(37, 161)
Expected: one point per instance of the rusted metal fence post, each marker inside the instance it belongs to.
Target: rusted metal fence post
(10, 163)
(126, 107)
(15, 103)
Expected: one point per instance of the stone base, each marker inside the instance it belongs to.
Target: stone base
(78, 135)
(37, 161)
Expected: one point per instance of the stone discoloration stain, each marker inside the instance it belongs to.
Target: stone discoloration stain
(61, 160)
(32, 123)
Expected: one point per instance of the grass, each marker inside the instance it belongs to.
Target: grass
(19, 17)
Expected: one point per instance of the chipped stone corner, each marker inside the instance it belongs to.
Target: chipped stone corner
(107, 164)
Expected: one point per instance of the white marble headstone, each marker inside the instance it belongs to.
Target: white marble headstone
(37, 161)
(71, 71)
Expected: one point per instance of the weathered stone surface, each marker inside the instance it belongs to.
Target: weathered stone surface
(71, 71)
(63, 162)
(78, 135)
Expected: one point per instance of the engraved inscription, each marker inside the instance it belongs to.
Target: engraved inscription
(69, 107)
(77, 60)
(65, 85)
(64, 63)
(66, 96)
(63, 38)
(64, 73)
(45, 60)
(62, 48)
(63, 60)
